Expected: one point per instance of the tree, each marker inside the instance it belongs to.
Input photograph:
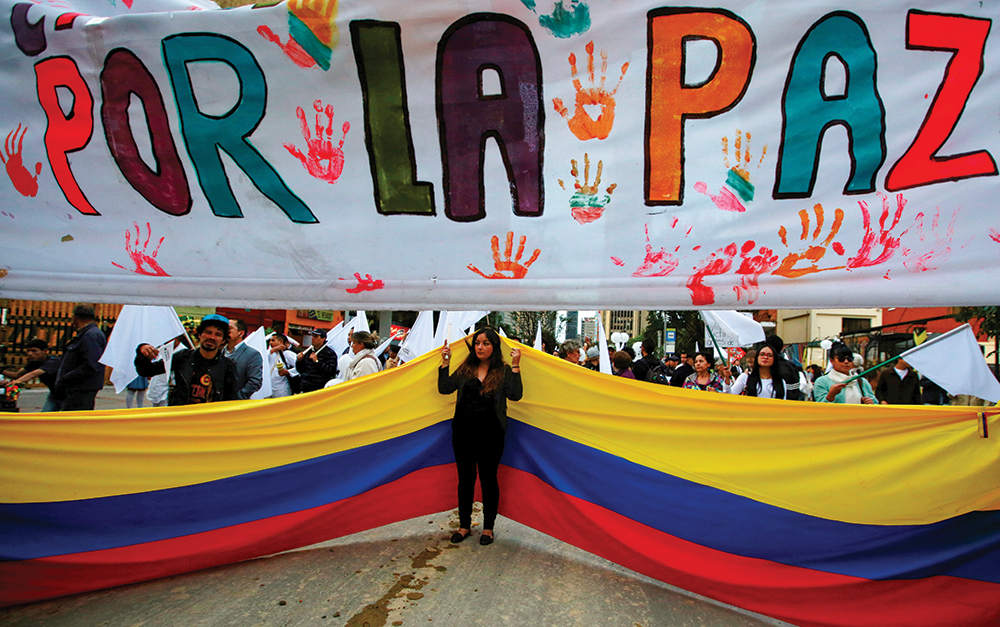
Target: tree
(989, 323)
(524, 324)
(688, 326)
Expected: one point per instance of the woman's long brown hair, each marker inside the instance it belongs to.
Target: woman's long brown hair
(470, 368)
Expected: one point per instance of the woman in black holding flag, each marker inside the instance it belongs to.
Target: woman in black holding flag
(484, 383)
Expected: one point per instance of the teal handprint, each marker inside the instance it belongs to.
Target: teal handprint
(563, 22)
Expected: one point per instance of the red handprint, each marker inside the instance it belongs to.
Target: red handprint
(19, 175)
(813, 252)
(506, 264)
(292, 49)
(940, 249)
(884, 238)
(581, 124)
(660, 263)
(366, 284)
(717, 263)
(752, 267)
(144, 263)
(325, 161)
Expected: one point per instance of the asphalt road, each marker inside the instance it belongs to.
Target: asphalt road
(407, 573)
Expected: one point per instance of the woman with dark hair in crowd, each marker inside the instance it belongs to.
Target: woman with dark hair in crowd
(833, 387)
(758, 381)
(484, 384)
(704, 379)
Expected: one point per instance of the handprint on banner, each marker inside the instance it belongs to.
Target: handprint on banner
(659, 263)
(813, 251)
(292, 49)
(24, 183)
(312, 32)
(715, 264)
(752, 267)
(581, 124)
(737, 177)
(325, 161)
(883, 239)
(145, 261)
(366, 284)
(585, 205)
(506, 264)
(941, 246)
(561, 22)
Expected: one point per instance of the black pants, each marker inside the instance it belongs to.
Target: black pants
(480, 448)
(79, 401)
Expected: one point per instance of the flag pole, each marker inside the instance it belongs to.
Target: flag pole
(875, 367)
(712, 335)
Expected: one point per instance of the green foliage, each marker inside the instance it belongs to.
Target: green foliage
(688, 325)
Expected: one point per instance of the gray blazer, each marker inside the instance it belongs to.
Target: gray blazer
(249, 370)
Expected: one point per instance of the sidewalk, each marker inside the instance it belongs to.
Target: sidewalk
(33, 399)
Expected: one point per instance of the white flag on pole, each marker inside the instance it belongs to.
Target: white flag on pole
(137, 324)
(420, 339)
(257, 342)
(538, 337)
(954, 361)
(740, 330)
(604, 360)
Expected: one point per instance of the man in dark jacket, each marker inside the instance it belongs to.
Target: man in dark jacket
(683, 371)
(249, 363)
(201, 375)
(317, 364)
(81, 374)
(899, 385)
(643, 367)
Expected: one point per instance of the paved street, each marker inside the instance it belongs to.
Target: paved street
(402, 574)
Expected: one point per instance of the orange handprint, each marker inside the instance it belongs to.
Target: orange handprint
(581, 124)
(514, 267)
(813, 252)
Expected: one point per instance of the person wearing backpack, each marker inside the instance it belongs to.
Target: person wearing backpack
(644, 367)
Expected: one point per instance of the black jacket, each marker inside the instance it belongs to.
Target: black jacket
(896, 391)
(222, 370)
(314, 374)
(643, 368)
(511, 389)
(81, 369)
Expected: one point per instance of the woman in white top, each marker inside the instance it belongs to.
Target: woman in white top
(363, 360)
(758, 381)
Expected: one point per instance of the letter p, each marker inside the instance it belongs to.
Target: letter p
(670, 101)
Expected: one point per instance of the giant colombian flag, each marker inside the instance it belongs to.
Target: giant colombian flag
(814, 514)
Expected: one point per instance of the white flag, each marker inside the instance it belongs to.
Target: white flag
(954, 361)
(257, 342)
(137, 324)
(602, 345)
(538, 337)
(739, 329)
(420, 339)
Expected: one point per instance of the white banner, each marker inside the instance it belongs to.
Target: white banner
(500, 154)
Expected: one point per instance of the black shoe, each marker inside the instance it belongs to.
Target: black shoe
(485, 540)
(458, 537)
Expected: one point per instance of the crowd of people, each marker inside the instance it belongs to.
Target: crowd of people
(222, 367)
(765, 371)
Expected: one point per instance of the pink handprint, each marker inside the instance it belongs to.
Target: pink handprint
(660, 263)
(325, 161)
(717, 263)
(292, 49)
(940, 248)
(366, 284)
(145, 263)
(752, 267)
(884, 237)
(24, 183)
